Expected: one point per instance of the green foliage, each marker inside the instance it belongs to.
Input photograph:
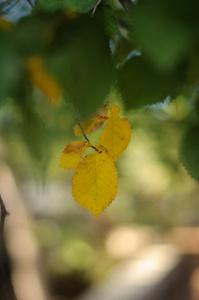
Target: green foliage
(140, 84)
(82, 63)
(74, 5)
(86, 56)
(161, 33)
(9, 70)
(33, 35)
(189, 151)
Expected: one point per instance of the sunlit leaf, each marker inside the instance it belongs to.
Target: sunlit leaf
(189, 151)
(117, 133)
(72, 154)
(96, 121)
(95, 182)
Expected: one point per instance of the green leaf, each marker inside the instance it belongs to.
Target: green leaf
(34, 34)
(140, 84)
(106, 13)
(162, 33)
(123, 48)
(81, 6)
(82, 62)
(189, 151)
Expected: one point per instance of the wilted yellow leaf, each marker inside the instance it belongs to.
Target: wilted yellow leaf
(117, 134)
(42, 79)
(96, 121)
(95, 182)
(72, 154)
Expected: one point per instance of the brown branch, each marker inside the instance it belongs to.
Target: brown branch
(82, 130)
(4, 213)
(5, 278)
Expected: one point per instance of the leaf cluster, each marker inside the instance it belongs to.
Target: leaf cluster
(95, 181)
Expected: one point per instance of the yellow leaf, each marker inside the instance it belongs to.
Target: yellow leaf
(5, 24)
(117, 134)
(95, 182)
(72, 154)
(97, 120)
(42, 79)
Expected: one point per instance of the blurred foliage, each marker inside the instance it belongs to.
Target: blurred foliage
(190, 151)
(147, 53)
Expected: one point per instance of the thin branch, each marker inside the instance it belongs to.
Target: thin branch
(4, 213)
(96, 6)
(6, 280)
(82, 130)
(128, 5)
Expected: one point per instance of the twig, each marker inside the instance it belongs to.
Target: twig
(4, 213)
(6, 280)
(82, 130)
(96, 6)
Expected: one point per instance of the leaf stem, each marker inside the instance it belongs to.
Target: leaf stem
(96, 6)
(82, 130)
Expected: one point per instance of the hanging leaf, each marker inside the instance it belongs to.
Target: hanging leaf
(96, 121)
(189, 151)
(95, 182)
(72, 154)
(117, 133)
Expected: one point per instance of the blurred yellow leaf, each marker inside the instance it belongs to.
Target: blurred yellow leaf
(95, 182)
(42, 79)
(117, 133)
(5, 24)
(72, 154)
(96, 121)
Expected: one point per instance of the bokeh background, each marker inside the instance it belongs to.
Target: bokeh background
(156, 204)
